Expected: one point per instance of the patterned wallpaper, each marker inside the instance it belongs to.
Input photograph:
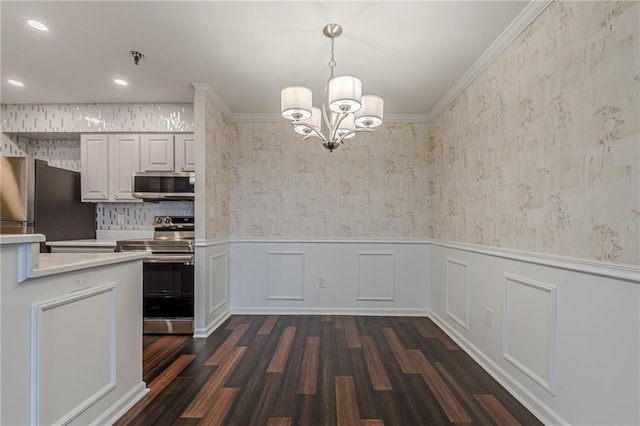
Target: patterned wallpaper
(219, 133)
(147, 117)
(372, 186)
(542, 152)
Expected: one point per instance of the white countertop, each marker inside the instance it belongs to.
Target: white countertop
(55, 263)
(21, 238)
(82, 243)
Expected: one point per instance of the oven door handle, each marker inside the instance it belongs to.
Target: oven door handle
(187, 259)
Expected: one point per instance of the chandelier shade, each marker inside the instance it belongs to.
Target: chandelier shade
(344, 110)
(296, 102)
(370, 115)
(347, 127)
(345, 92)
(304, 126)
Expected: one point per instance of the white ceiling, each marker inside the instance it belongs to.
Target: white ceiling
(410, 53)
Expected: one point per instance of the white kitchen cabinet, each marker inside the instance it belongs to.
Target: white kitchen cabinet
(107, 164)
(124, 159)
(94, 154)
(184, 153)
(157, 152)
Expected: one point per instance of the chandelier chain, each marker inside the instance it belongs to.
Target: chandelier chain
(332, 62)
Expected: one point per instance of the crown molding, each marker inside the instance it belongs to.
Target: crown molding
(215, 98)
(504, 40)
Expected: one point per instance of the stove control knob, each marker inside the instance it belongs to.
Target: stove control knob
(158, 220)
(167, 220)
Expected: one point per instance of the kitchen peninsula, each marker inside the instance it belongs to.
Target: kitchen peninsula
(71, 351)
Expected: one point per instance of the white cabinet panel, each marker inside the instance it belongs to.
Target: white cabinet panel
(95, 167)
(157, 152)
(184, 153)
(124, 155)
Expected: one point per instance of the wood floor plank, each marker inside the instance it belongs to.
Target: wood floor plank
(449, 403)
(161, 353)
(377, 373)
(346, 405)
(351, 332)
(279, 359)
(399, 352)
(220, 402)
(279, 421)
(371, 422)
(308, 381)
(228, 346)
(268, 324)
(157, 386)
(198, 406)
(423, 328)
(466, 399)
(497, 412)
(397, 377)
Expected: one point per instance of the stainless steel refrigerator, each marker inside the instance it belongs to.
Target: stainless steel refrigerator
(41, 199)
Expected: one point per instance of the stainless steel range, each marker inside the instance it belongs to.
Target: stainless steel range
(168, 275)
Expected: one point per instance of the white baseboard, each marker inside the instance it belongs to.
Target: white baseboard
(202, 333)
(330, 311)
(539, 409)
(124, 404)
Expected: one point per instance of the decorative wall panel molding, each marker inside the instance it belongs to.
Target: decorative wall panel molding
(376, 276)
(285, 275)
(56, 330)
(218, 278)
(529, 339)
(458, 298)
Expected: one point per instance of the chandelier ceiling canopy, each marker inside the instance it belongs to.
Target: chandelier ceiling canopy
(345, 111)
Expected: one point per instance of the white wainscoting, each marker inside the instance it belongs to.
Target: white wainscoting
(376, 276)
(529, 329)
(55, 356)
(361, 277)
(285, 275)
(212, 280)
(458, 291)
(565, 338)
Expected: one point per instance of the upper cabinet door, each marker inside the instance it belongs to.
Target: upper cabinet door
(124, 158)
(156, 153)
(184, 149)
(94, 156)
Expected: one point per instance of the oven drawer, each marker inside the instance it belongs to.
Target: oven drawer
(168, 308)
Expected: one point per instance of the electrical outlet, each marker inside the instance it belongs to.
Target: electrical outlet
(78, 282)
(322, 281)
(488, 315)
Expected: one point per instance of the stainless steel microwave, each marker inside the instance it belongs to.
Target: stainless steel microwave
(158, 186)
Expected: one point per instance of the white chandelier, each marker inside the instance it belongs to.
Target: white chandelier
(344, 109)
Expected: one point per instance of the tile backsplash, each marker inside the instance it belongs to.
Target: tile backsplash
(97, 118)
(138, 216)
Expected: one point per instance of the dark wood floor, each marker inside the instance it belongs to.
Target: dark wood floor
(319, 370)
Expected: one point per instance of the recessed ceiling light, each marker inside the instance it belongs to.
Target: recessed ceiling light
(37, 25)
(15, 83)
(120, 82)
